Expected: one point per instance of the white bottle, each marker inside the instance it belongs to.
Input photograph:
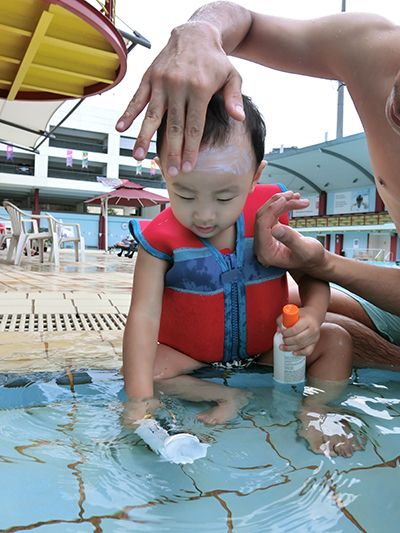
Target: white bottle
(181, 448)
(288, 368)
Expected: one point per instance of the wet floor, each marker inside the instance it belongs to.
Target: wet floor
(101, 285)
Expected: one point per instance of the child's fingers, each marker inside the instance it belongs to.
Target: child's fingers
(303, 338)
(300, 344)
(295, 330)
(307, 351)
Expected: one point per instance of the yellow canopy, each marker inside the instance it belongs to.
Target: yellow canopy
(57, 49)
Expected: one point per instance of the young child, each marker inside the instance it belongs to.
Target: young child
(200, 296)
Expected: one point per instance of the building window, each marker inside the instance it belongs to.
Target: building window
(58, 169)
(80, 140)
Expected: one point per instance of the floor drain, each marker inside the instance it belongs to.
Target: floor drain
(62, 322)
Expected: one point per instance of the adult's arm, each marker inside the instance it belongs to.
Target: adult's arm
(194, 65)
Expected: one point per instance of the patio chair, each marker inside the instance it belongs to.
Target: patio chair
(128, 245)
(22, 238)
(68, 232)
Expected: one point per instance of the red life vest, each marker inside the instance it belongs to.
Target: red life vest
(216, 306)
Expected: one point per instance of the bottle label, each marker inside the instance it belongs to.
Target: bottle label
(288, 368)
(294, 368)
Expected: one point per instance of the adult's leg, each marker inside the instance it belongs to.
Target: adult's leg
(370, 349)
(340, 304)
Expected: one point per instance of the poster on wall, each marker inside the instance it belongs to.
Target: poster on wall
(312, 210)
(354, 201)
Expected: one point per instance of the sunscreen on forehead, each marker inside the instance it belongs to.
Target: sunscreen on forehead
(288, 368)
(232, 159)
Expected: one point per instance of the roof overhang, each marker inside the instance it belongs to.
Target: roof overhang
(340, 164)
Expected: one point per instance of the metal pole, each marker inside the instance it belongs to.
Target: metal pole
(340, 99)
(106, 224)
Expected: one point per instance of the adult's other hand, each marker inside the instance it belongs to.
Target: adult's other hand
(279, 245)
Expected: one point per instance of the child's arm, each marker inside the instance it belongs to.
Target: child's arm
(302, 338)
(142, 326)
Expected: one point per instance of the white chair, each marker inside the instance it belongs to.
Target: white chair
(22, 237)
(68, 232)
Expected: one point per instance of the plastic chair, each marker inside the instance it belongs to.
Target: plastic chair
(68, 232)
(22, 238)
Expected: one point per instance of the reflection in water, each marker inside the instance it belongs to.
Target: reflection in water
(65, 454)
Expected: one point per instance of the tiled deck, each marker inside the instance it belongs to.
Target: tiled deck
(101, 285)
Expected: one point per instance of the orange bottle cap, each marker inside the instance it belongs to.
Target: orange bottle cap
(290, 315)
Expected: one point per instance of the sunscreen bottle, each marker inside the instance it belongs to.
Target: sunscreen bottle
(181, 448)
(288, 368)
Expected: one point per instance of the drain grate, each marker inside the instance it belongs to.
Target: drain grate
(62, 322)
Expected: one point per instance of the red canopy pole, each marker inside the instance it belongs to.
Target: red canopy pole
(36, 206)
(102, 224)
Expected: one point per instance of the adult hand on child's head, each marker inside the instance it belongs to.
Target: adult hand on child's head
(279, 245)
(182, 79)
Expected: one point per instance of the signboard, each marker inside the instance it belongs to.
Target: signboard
(352, 201)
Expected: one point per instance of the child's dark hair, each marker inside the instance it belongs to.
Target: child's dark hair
(219, 125)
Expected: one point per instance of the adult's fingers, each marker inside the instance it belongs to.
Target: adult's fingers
(175, 129)
(135, 106)
(195, 120)
(279, 204)
(187, 108)
(152, 119)
(232, 93)
(289, 237)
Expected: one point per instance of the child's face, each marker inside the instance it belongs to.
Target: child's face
(210, 199)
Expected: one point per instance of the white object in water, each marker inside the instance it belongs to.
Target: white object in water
(181, 448)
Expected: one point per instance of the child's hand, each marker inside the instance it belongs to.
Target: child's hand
(302, 338)
(136, 409)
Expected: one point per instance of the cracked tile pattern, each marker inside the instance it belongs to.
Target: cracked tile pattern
(65, 455)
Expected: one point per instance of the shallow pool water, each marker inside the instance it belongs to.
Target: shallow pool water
(68, 465)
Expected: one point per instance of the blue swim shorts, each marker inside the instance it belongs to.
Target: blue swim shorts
(387, 324)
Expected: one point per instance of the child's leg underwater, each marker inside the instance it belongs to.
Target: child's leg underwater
(170, 378)
(328, 371)
(228, 400)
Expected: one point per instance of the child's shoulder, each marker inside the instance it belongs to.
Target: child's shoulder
(164, 233)
(261, 194)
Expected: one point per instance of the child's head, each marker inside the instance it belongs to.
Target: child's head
(210, 199)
